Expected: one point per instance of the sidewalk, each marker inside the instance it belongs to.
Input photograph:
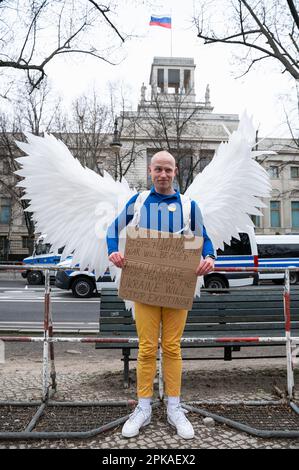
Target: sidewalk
(84, 374)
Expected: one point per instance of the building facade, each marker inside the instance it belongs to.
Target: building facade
(172, 96)
(168, 116)
(282, 213)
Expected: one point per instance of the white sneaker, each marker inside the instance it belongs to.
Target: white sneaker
(176, 417)
(137, 420)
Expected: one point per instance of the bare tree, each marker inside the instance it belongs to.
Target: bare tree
(270, 29)
(34, 112)
(34, 32)
(121, 162)
(169, 124)
(91, 125)
(88, 131)
(124, 139)
(9, 132)
(266, 30)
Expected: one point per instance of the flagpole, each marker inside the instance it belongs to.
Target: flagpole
(171, 34)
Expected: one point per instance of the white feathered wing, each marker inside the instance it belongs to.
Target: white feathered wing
(71, 203)
(229, 189)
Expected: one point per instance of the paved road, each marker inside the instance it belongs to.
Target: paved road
(22, 306)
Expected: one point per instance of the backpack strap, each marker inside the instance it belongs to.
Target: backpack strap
(137, 207)
(186, 207)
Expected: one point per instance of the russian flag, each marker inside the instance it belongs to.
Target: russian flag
(161, 20)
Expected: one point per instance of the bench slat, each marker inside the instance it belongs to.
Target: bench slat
(115, 303)
(264, 329)
(246, 313)
(225, 312)
(207, 334)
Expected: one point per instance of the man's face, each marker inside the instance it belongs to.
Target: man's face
(163, 172)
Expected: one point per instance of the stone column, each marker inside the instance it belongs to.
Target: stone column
(154, 83)
(192, 89)
(165, 80)
(182, 81)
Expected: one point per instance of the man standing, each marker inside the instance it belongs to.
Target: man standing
(162, 210)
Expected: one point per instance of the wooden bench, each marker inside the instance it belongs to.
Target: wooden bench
(234, 313)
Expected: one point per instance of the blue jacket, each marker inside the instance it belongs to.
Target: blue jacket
(159, 218)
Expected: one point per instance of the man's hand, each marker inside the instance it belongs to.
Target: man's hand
(117, 258)
(205, 266)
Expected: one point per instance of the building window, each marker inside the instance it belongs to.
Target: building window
(275, 214)
(5, 210)
(173, 80)
(161, 80)
(26, 242)
(295, 214)
(273, 172)
(204, 161)
(256, 219)
(4, 247)
(294, 171)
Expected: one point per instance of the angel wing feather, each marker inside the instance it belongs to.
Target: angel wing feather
(229, 189)
(75, 206)
(71, 203)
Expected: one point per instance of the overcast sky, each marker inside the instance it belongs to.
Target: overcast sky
(263, 92)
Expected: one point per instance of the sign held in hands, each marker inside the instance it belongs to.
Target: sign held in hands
(160, 268)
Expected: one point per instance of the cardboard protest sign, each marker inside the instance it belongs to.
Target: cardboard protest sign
(160, 268)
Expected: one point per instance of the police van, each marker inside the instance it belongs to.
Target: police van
(42, 254)
(240, 253)
(278, 251)
(82, 283)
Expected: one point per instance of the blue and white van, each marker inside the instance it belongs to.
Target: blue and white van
(240, 253)
(42, 254)
(82, 283)
(278, 251)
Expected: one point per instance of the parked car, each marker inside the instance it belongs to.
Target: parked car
(81, 283)
(42, 254)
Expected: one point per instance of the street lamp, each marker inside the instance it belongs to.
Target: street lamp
(116, 146)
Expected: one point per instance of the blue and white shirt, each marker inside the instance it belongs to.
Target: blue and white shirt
(155, 215)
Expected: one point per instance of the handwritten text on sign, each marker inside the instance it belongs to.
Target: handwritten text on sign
(160, 268)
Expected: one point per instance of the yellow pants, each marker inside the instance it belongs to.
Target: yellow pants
(148, 319)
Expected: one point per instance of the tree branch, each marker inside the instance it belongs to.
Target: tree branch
(33, 23)
(29, 47)
(209, 40)
(294, 12)
(294, 42)
(251, 65)
(78, 51)
(103, 12)
(276, 49)
(271, 41)
(214, 39)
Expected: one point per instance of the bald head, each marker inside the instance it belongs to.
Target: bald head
(163, 170)
(163, 157)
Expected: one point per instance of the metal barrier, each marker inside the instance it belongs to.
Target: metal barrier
(48, 389)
